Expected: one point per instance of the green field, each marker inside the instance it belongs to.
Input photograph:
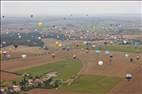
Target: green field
(93, 84)
(115, 47)
(124, 48)
(65, 69)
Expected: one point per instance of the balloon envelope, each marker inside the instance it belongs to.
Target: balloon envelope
(24, 56)
(107, 52)
(100, 63)
(124, 41)
(40, 24)
(98, 51)
(93, 46)
(126, 55)
(128, 75)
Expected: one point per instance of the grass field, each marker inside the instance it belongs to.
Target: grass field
(115, 47)
(65, 69)
(124, 48)
(93, 84)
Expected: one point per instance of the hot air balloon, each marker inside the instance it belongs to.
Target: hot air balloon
(53, 55)
(57, 43)
(98, 51)
(125, 42)
(5, 53)
(111, 56)
(87, 51)
(131, 59)
(138, 57)
(93, 46)
(128, 76)
(100, 63)
(85, 42)
(39, 38)
(24, 56)
(3, 17)
(15, 46)
(60, 45)
(7, 32)
(40, 24)
(126, 55)
(107, 52)
(31, 15)
(105, 43)
(74, 56)
(4, 42)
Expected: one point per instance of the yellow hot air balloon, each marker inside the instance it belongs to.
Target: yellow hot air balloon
(40, 24)
(60, 45)
(56, 43)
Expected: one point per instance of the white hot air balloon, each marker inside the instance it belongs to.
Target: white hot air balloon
(124, 41)
(129, 76)
(39, 38)
(19, 36)
(111, 42)
(5, 52)
(126, 55)
(93, 46)
(58, 36)
(7, 32)
(85, 42)
(100, 63)
(4, 42)
(24, 56)
(36, 30)
(98, 51)
(107, 52)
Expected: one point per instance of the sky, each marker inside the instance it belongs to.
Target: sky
(43, 8)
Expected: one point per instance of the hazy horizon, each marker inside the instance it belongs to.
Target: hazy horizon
(65, 8)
